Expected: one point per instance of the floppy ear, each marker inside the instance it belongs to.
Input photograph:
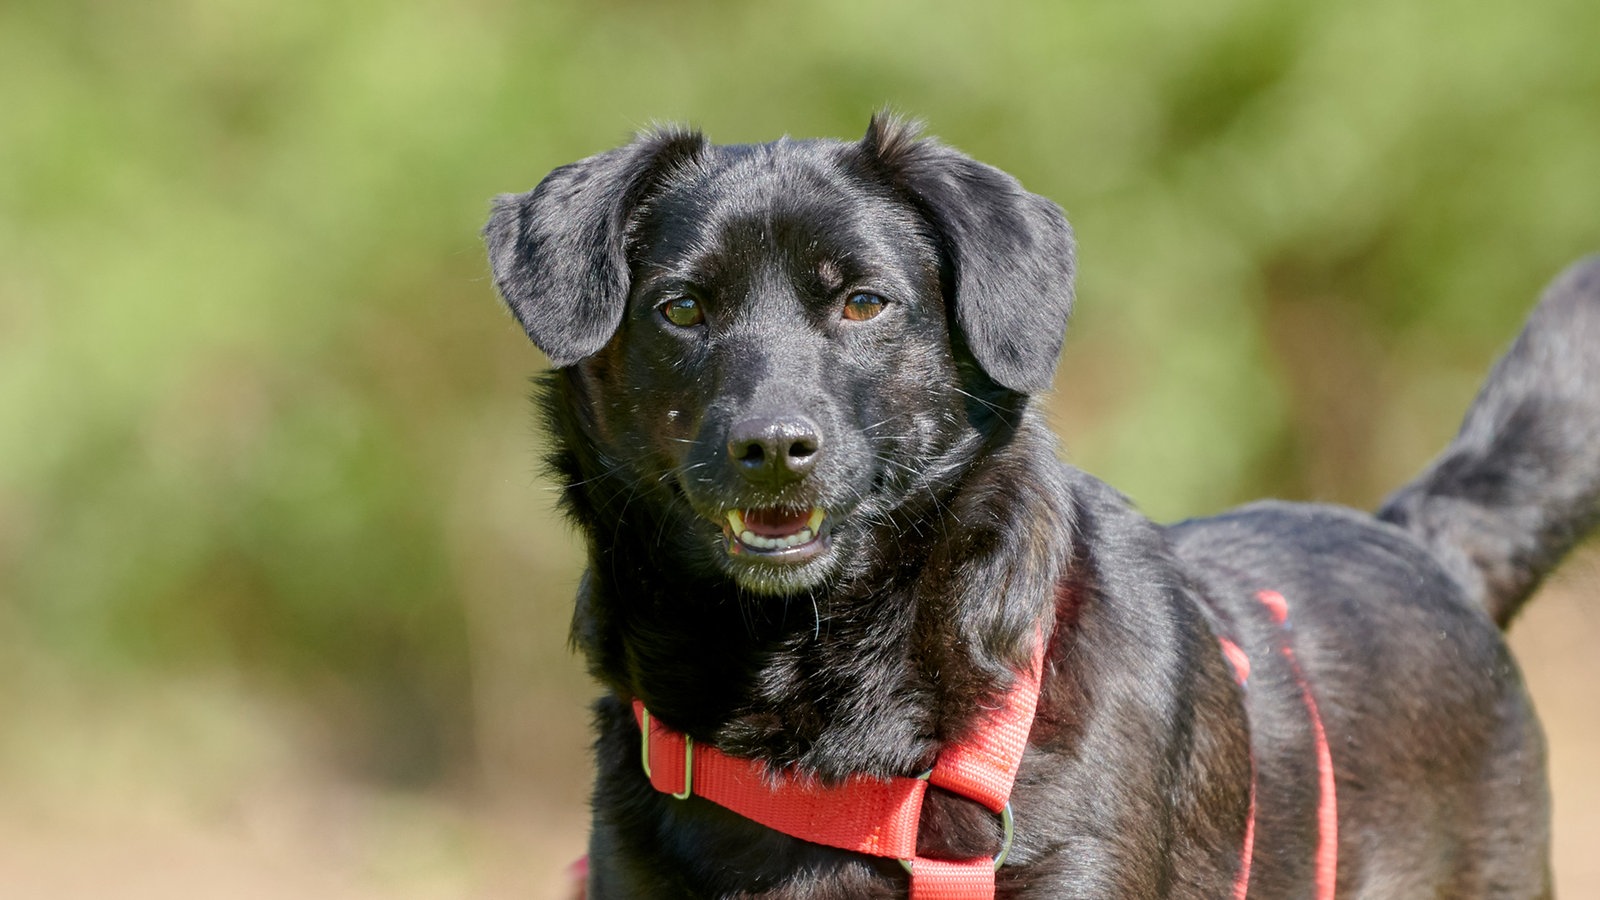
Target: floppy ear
(558, 252)
(1009, 253)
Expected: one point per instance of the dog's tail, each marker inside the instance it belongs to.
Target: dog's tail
(1520, 484)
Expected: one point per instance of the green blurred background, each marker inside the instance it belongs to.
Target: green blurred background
(283, 598)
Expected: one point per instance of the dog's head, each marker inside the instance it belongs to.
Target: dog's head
(785, 344)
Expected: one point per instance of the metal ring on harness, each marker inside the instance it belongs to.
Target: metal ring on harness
(1005, 846)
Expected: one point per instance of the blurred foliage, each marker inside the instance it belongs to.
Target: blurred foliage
(261, 420)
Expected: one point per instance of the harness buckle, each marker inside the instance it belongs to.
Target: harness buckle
(688, 762)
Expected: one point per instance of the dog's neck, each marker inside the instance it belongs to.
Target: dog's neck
(871, 676)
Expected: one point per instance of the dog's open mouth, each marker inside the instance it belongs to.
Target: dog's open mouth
(789, 535)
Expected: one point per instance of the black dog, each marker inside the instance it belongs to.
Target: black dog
(828, 535)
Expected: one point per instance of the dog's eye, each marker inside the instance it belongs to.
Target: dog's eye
(861, 307)
(683, 312)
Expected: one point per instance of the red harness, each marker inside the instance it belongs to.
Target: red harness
(880, 818)
(864, 815)
(1327, 800)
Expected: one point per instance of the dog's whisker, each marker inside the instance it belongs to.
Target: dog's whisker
(991, 406)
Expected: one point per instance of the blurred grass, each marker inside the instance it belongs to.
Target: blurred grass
(269, 485)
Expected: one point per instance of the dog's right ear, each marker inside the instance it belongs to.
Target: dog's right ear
(558, 252)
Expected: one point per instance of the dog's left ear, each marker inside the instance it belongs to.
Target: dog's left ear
(559, 251)
(1009, 253)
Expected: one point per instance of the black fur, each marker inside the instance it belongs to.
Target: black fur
(954, 536)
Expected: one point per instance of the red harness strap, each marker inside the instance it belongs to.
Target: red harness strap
(1241, 672)
(864, 815)
(1328, 801)
(1327, 868)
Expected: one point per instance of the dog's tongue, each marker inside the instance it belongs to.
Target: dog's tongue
(776, 522)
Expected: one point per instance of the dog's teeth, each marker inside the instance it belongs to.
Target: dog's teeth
(736, 523)
(751, 539)
(815, 522)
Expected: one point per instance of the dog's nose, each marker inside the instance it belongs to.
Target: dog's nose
(773, 450)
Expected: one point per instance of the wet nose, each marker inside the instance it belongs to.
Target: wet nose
(772, 449)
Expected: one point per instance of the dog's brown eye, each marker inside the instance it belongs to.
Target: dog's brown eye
(861, 307)
(683, 312)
